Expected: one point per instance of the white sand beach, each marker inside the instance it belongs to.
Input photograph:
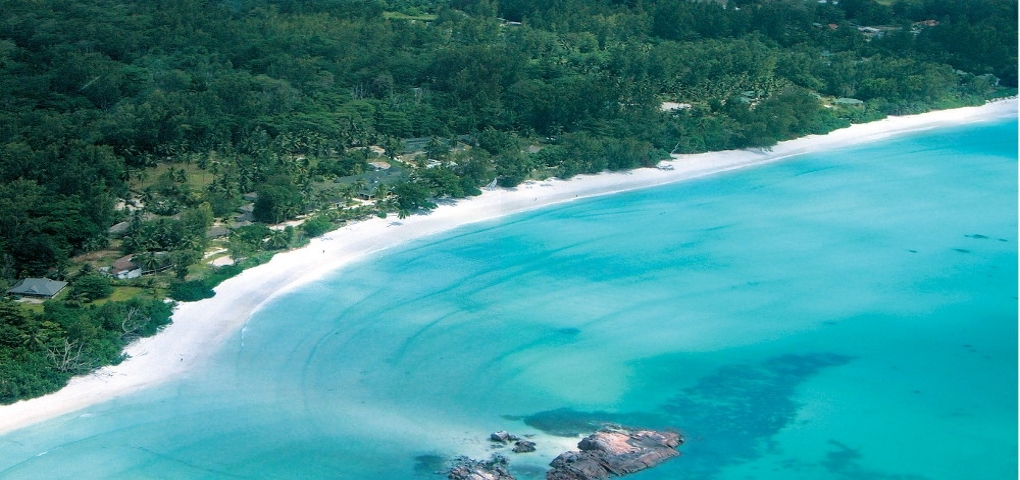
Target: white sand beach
(200, 329)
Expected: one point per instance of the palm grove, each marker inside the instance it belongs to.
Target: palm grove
(195, 107)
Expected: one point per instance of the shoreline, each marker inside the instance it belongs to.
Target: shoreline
(200, 329)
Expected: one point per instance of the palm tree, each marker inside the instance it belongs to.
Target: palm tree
(359, 185)
(148, 260)
(278, 239)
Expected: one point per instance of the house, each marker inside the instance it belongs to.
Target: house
(37, 287)
(123, 268)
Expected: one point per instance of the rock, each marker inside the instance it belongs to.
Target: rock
(524, 446)
(615, 452)
(576, 466)
(467, 469)
(503, 436)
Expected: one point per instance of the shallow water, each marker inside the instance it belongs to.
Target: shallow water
(847, 315)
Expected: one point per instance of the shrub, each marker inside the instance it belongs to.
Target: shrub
(190, 291)
(92, 287)
(315, 226)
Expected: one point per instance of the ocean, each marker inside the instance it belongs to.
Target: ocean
(842, 315)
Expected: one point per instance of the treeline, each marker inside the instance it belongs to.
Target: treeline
(278, 96)
(40, 352)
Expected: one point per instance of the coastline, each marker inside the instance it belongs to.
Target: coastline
(201, 328)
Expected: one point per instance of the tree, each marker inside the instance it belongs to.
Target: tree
(277, 202)
(496, 142)
(412, 196)
(437, 149)
(246, 240)
(91, 287)
(512, 168)
(316, 226)
(136, 317)
(181, 260)
(70, 356)
(443, 181)
(392, 146)
(279, 239)
(197, 220)
(149, 261)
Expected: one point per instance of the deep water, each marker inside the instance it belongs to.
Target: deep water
(847, 315)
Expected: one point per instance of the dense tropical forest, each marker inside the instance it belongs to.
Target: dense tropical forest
(174, 131)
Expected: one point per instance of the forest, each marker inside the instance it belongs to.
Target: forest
(169, 118)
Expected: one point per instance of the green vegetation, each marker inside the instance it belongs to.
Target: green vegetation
(91, 287)
(39, 352)
(177, 117)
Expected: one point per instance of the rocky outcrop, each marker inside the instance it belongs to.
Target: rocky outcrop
(503, 436)
(520, 445)
(615, 452)
(610, 452)
(468, 469)
(524, 446)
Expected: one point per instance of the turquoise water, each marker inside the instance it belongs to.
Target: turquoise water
(851, 315)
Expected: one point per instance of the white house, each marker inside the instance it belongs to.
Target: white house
(124, 268)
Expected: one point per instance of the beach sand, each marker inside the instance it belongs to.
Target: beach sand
(200, 329)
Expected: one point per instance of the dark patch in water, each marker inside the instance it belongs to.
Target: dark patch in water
(567, 422)
(962, 250)
(522, 472)
(430, 465)
(912, 251)
(844, 463)
(1003, 240)
(569, 331)
(729, 416)
(977, 236)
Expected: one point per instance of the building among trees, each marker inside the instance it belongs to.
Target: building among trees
(37, 287)
(125, 268)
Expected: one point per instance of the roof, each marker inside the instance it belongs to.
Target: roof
(123, 264)
(37, 286)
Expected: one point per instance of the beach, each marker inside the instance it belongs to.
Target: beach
(201, 328)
